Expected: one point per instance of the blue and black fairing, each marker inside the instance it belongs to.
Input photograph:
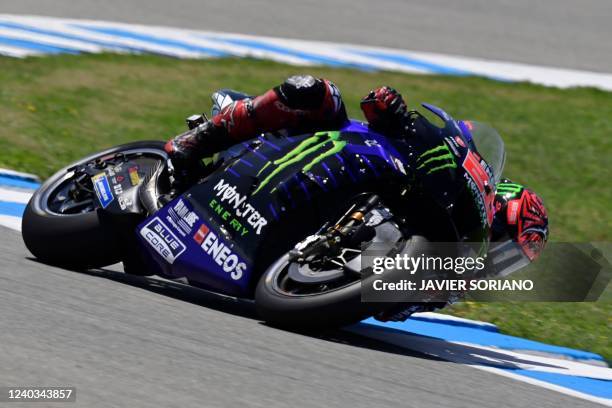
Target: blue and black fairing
(461, 180)
(272, 192)
(269, 194)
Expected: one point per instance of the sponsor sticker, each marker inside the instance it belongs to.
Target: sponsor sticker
(245, 213)
(134, 177)
(471, 164)
(103, 190)
(220, 253)
(124, 202)
(201, 234)
(478, 196)
(512, 211)
(226, 215)
(453, 145)
(165, 243)
(478, 181)
(182, 218)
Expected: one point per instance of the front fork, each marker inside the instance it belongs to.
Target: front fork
(349, 231)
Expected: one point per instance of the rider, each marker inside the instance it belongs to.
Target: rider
(304, 103)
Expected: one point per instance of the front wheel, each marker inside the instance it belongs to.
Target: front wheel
(326, 291)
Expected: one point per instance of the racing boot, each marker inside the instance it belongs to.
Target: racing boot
(187, 150)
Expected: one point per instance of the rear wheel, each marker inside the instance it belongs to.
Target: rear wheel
(62, 225)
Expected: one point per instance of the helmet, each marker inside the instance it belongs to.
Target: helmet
(520, 216)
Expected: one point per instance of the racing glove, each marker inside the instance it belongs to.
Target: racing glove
(385, 109)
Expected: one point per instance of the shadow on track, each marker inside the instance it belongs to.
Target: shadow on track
(362, 335)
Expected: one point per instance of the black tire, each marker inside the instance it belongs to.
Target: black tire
(330, 309)
(75, 240)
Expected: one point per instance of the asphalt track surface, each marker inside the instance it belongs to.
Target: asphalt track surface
(140, 342)
(559, 33)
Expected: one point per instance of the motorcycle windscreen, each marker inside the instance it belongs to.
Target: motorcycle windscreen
(489, 145)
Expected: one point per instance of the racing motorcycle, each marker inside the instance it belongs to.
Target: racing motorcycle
(283, 220)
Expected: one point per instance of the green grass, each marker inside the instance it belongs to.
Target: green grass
(57, 109)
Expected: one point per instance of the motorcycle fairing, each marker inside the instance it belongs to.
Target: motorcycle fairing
(184, 243)
(272, 192)
(116, 186)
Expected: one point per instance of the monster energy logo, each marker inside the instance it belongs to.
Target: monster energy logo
(437, 159)
(510, 189)
(309, 146)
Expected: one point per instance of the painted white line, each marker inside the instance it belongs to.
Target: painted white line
(543, 364)
(482, 358)
(199, 44)
(13, 173)
(444, 318)
(16, 52)
(11, 222)
(341, 52)
(49, 40)
(15, 196)
(604, 401)
(113, 43)
(549, 76)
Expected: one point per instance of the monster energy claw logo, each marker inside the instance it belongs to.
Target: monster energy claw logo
(436, 159)
(510, 189)
(312, 145)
